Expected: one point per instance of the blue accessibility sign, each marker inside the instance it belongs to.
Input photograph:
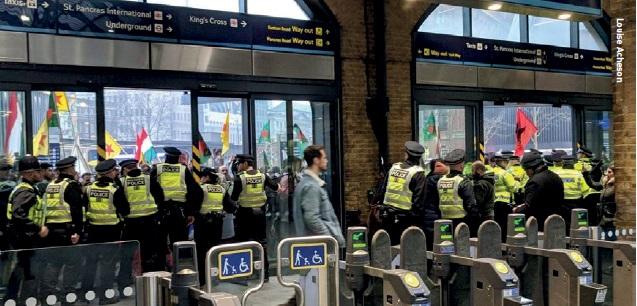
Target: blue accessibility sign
(234, 264)
(308, 256)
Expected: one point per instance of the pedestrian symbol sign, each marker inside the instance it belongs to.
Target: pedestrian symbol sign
(234, 264)
(308, 256)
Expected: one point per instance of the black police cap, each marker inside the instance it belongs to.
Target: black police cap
(531, 160)
(507, 154)
(244, 157)
(66, 163)
(172, 151)
(105, 166)
(45, 166)
(28, 163)
(128, 162)
(585, 151)
(414, 148)
(454, 157)
(207, 172)
(536, 151)
(557, 156)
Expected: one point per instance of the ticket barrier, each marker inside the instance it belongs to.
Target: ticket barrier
(491, 280)
(551, 275)
(613, 261)
(314, 260)
(370, 277)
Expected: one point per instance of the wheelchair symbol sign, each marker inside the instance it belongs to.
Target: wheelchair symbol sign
(234, 264)
(308, 256)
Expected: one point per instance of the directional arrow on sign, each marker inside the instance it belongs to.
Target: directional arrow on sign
(170, 29)
(327, 32)
(45, 4)
(243, 23)
(419, 51)
(327, 42)
(169, 16)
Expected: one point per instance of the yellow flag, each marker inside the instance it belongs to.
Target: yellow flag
(61, 102)
(225, 135)
(41, 140)
(112, 147)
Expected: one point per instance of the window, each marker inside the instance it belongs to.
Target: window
(554, 124)
(445, 19)
(495, 25)
(276, 8)
(589, 39)
(218, 5)
(441, 129)
(598, 134)
(12, 134)
(212, 118)
(549, 31)
(161, 116)
(64, 124)
(271, 134)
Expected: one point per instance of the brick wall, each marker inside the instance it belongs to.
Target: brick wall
(624, 113)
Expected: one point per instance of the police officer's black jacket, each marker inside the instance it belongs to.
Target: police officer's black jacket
(431, 209)
(465, 191)
(418, 188)
(23, 200)
(484, 192)
(155, 189)
(543, 194)
(194, 193)
(237, 187)
(122, 207)
(74, 196)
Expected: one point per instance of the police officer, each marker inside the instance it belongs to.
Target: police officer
(107, 206)
(209, 221)
(405, 189)
(456, 191)
(520, 176)
(26, 220)
(541, 191)
(575, 187)
(505, 187)
(249, 190)
(182, 195)
(142, 223)
(64, 202)
(584, 156)
(6, 186)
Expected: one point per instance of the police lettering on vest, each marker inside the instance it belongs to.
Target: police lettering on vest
(253, 192)
(451, 204)
(137, 191)
(101, 210)
(397, 192)
(57, 210)
(213, 198)
(172, 179)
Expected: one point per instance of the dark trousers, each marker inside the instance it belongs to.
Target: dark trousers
(251, 226)
(152, 248)
(501, 213)
(62, 261)
(101, 260)
(208, 229)
(23, 282)
(174, 223)
(395, 222)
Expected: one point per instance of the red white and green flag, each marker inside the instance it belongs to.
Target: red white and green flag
(264, 137)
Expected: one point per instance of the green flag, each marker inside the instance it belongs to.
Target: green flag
(52, 113)
(300, 141)
(429, 130)
(266, 161)
(264, 137)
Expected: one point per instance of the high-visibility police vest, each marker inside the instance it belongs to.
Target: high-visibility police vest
(137, 191)
(57, 209)
(575, 187)
(502, 192)
(450, 201)
(212, 198)
(397, 193)
(36, 212)
(253, 192)
(172, 178)
(583, 165)
(101, 209)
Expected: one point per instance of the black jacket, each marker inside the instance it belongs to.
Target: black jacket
(155, 189)
(74, 196)
(418, 188)
(119, 198)
(194, 193)
(22, 202)
(465, 191)
(543, 193)
(431, 208)
(484, 192)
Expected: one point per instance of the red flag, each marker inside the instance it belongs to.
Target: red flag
(13, 140)
(524, 130)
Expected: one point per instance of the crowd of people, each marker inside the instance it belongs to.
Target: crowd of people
(452, 188)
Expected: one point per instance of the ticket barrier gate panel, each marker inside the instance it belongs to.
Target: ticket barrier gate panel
(567, 278)
(613, 261)
(69, 274)
(303, 256)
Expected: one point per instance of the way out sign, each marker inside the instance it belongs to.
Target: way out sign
(308, 256)
(235, 264)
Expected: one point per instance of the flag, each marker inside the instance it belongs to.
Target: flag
(264, 137)
(112, 147)
(300, 141)
(524, 130)
(13, 140)
(225, 135)
(61, 103)
(266, 161)
(144, 150)
(41, 140)
(52, 113)
(204, 151)
(429, 130)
